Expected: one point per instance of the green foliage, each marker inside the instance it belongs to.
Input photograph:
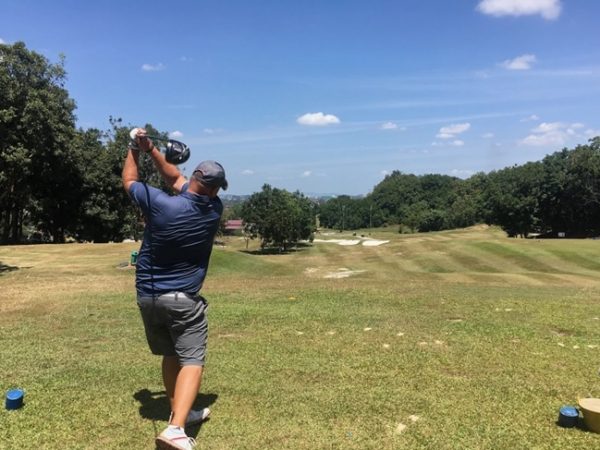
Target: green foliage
(559, 194)
(513, 198)
(423, 203)
(347, 213)
(36, 128)
(278, 217)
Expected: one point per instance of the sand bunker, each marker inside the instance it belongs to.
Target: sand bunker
(343, 273)
(373, 243)
(365, 242)
(349, 242)
(339, 241)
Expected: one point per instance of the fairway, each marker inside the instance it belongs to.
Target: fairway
(461, 339)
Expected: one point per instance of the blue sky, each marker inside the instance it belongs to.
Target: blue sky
(329, 96)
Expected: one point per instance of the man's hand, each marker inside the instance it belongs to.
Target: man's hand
(169, 172)
(144, 143)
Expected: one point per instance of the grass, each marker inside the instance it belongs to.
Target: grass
(469, 339)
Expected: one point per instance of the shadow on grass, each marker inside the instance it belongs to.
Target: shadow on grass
(155, 405)
(277, 251)
(579, 425)
(6, 268)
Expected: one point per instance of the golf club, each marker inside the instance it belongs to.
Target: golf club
(176, 152)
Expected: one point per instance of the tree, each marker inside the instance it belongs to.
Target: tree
(513, 198)
(395, 194)
(278, 217)
(341, 212)
(582, 190)
(36, 127)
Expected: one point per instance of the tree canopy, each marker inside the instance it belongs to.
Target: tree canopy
(279, 218)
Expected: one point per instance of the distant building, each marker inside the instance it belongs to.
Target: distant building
(234, 226)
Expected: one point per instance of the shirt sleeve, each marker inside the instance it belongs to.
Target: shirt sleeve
(143, 195)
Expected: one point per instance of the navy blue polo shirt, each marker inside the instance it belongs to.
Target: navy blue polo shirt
(178, 239)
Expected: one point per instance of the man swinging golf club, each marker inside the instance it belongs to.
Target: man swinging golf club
(171, 268)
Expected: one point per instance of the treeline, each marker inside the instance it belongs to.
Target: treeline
(57, 181)
(560, 194)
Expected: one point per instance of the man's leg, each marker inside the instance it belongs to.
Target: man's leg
(170, 370)
(187, 386)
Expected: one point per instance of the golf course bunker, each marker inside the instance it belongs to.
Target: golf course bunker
(345, 242)
(339, 241)
(373, 243)
(342, 272)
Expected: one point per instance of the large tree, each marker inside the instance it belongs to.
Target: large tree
(36, 130)
(279, 218)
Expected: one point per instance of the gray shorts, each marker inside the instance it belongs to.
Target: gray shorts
(176, 325)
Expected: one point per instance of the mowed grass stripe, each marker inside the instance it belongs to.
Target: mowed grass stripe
(443, 256)
(516, 258)
(472, 262)
(591, 262)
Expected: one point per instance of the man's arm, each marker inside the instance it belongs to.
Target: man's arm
(169, 172)
(130, 168)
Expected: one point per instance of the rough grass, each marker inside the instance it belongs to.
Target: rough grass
(452, 340)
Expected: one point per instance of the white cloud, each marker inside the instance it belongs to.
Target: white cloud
(523, 62)
(450, 131)
(548, 127)
(487, 135)
(212, 130)
(592, 133)
(456, 128)
(464, 173)
(389, 126)
(553, 134)
(544, 140)
(306, 173)
(2, 41)
(531, 118)
(176, 134)
(247, 172)
(318, 119)
(153, 67)
(548, 9)
(454, 143)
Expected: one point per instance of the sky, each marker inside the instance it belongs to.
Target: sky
(328, 97)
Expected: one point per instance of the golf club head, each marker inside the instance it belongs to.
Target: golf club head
(176, 152)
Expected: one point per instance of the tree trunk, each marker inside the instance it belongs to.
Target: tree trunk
(14, 225)
(4, 219)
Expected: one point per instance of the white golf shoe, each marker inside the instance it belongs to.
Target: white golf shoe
(196, 416)
(174, 438)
